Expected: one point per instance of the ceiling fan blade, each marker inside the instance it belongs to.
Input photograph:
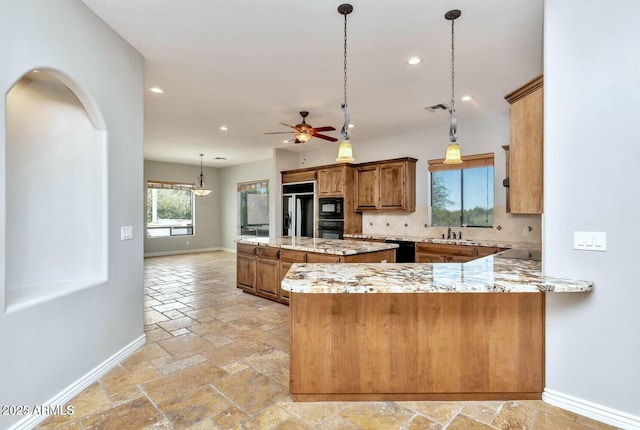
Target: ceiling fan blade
(315, 129)
(292, 126)
(281, 132)
(322, 136)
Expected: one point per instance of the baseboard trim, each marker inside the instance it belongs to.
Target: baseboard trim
(66, 395)
(182, 251)
(592, 410)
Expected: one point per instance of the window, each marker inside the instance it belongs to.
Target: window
(169, 209)
(253, 202)
(462, 194)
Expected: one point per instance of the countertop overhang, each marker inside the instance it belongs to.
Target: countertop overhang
(513, 271)
(317, 245)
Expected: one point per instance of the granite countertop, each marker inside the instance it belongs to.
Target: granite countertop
(422, 239)
(317, 245)
(513, 271)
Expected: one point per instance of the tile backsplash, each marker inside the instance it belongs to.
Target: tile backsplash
(506, 227)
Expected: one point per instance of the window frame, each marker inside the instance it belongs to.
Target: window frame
(173, 228)
(468, 162)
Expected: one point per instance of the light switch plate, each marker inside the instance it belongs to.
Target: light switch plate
(590, 240)
(126, 232)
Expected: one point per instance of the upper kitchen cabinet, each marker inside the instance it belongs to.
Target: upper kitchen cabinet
(386, 185)
(525, 156)
(298, 175)
(332, 180)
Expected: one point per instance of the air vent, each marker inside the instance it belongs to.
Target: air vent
(437, 108)
(220, 158)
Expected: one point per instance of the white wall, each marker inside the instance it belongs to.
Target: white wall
(592, 106)
(229, 178)
(207, 209)
(47, 347)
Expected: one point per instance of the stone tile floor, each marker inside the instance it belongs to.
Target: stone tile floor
(217, 358)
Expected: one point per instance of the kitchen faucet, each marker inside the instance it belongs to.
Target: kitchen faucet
(449, 233)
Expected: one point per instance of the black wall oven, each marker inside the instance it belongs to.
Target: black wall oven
(331, 208)
(330, 229)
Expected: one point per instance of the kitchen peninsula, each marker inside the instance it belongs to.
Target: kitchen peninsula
(263, 262)
(430, 331)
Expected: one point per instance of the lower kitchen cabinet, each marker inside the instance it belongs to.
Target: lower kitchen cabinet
(268, 271)
(246, 273)
(260, 268)
(445, 253)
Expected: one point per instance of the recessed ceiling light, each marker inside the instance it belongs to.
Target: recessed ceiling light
(285, 141)
(351, 125)
(414, 60)
(156, 90)
(224, 128)
(466, 98)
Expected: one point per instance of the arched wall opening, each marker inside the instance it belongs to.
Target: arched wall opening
(56, 190)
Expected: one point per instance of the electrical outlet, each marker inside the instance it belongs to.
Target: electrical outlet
(590, 240)
(187, 243)
(525, 231)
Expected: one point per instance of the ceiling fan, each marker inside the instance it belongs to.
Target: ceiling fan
(304, 131)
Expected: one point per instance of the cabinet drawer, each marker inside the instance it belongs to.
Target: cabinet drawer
(244, 248)
(269, 253)
(293, 256)
(313, 257)
(441, 249)
(483, 251)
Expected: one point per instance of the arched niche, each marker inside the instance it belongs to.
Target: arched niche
(56, 190)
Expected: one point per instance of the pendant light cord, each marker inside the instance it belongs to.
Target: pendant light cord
(453, 127)
(344, 133)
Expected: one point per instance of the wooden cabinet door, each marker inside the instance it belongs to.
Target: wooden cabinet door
(331, 182)
(284, 268)
(246, 272)
(526, 148)
(423, 257)
(267, 277)
(367, 188)
(392, 187)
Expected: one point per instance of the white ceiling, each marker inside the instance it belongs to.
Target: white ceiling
(251, 64)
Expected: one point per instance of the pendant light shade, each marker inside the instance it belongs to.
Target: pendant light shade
(345, 150)
(200, 190)
(453, 149)
(453, 154)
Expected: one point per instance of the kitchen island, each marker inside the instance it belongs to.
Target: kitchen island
(441, 331)
(262, 262)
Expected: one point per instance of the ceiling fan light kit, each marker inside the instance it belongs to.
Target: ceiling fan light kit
(345, 150)
(453, 149)
(201, 190)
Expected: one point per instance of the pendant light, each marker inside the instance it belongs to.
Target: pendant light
(200, 189)
(453, 149)
(345, 151)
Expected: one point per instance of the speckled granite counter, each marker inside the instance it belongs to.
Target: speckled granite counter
(513, 271)
(319, 246)
(464, 242)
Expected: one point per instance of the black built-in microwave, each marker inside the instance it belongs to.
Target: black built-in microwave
(331, 208)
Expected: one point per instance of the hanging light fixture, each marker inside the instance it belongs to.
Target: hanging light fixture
(453, 149)
(200, 189)
(345, 151)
